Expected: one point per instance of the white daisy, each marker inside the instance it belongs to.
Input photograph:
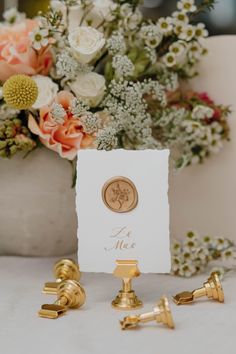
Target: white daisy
(187, 269)
(170, 60)
(187, 33)
(195, 50)
(176, 263)
(221, 243)
(201, 31)
(186, 6)
(39, 38)
(176, 248)
(180, 17)
(177, 48)
(207, 241)
(165, 24)
(229, 253)
(13, 16)
(178, 28)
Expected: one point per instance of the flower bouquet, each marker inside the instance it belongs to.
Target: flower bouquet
(97, 74)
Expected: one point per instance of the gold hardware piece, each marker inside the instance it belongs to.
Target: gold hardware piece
(64, 269)
(161, 314)
(120, 195)
(70, 295)
(126, 299)
(212, 288)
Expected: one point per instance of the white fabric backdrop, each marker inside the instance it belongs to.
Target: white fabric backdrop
(204, 197)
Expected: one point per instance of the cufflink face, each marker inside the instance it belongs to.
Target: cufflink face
(120, 195)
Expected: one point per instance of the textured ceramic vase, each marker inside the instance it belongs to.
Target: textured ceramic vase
(37, 215)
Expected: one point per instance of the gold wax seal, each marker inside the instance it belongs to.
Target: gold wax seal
(120, 194)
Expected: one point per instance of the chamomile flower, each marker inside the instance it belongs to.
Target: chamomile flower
(39, 38)
(180, 17)
(187, 269)
(170, 60)
(176, 264)
(195, 50)
(201, 31)
(13, 16)
(187, 33)
(207, 241)
(175, 248)
(221, 243)
(229, 253)
(152, 35)
(186, 6)
(165, 25)
(202, 253)
(178, 28)
(177, 48)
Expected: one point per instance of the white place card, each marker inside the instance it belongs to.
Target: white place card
(141, 234)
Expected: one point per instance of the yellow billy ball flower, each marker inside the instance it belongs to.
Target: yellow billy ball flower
(20, 91)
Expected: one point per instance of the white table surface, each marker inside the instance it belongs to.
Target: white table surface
(204, 327)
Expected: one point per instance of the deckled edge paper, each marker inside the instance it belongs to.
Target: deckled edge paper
(148, 222)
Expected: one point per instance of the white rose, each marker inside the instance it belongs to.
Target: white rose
(89, 87)
(86, 43)
(47, 90)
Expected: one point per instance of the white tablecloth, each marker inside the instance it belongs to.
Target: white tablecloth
(206, 327)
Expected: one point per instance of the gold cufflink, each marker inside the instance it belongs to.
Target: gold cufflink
(161, 314)
(64, 269)
(126, 299)
(70, 295)
(212, 288)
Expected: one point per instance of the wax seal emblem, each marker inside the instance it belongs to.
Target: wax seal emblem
(120, 195)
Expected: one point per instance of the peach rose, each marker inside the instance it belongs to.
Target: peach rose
(64, 134)
(16, 53)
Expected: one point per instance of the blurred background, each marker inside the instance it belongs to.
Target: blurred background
(222, 20)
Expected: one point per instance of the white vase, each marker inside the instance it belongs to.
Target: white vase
(37, 216)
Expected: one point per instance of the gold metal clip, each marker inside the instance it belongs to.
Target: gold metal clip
(212, 288)
(161, 314)
(126, 299)
(64, 269)
(70, 295)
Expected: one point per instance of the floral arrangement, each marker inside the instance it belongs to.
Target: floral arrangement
(195, 253)
(97, 74)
